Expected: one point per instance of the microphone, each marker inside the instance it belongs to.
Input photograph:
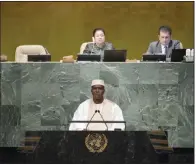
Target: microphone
(46, 51)
(102, 119)
(91, 51)
(91, 118)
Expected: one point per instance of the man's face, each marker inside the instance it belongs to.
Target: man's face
(99, 37)
(164, 37)
(97, 91)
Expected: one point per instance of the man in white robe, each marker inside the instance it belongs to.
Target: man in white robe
(109, 110)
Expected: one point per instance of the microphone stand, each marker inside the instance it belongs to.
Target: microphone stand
(102, 119)
(91, 119)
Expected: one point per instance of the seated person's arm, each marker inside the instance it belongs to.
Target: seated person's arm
(87, 49)
(111, 47)
(178, 45)
(150, 50)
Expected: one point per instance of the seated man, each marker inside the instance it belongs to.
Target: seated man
(98, 45)
(165, 43)
(108, 110)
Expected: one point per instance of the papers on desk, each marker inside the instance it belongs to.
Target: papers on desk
(189, 57)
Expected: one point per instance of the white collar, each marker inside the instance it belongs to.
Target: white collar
(98, 104)
(164, 46)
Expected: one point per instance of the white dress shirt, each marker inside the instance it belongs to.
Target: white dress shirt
(163, 48)
(108, 109)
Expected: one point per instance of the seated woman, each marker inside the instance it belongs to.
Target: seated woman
(98, 45)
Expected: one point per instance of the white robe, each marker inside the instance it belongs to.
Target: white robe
(109, 110)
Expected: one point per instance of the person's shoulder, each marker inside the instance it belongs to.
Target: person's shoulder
(111, 102)
(89, 44)
(108, 101)
(175, 41)
(108, 43)
(154, 43)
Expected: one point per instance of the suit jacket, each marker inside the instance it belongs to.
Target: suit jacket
(155, 47)
(93, 49)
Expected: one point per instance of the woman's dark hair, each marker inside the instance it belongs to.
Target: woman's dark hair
(98, 29)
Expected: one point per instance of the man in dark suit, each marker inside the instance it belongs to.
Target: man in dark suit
(165, 43)
(98, 45)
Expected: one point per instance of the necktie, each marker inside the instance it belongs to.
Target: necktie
(166, 51)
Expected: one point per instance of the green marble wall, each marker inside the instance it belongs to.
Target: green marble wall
(44, 96)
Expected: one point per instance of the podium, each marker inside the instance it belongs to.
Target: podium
(94, 147)
(82, 147)
(68, 147)
(86, 146)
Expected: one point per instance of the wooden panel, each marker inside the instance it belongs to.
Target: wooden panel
(63, 26)
(159, 141)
